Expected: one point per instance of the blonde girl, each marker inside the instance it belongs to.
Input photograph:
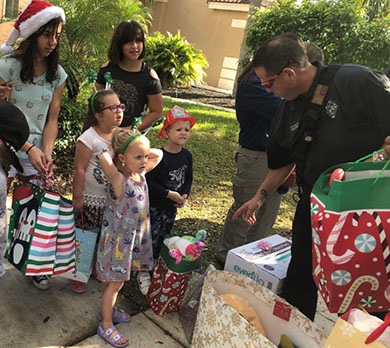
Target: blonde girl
(125, 242)
(105, 112)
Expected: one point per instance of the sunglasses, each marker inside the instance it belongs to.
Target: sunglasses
(115, 108)
(269, 83)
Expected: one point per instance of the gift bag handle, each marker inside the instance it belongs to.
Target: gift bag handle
(375, 153)
(45, 181)
(379, 330)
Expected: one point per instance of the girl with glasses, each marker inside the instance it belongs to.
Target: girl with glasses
(105, 112)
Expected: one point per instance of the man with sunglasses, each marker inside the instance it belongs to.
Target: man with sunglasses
(351, 112)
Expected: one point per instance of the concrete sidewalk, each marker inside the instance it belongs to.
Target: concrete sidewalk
(31, 318)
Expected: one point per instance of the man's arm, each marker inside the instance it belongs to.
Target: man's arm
(272, 181)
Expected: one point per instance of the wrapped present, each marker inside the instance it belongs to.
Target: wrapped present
(350, 210)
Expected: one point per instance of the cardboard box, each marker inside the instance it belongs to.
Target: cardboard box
(266, 267)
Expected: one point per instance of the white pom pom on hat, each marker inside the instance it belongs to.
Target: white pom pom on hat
(33, 16)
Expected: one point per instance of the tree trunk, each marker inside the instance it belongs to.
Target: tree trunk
(243, 51)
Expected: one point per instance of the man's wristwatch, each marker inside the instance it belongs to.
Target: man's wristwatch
(264, 193)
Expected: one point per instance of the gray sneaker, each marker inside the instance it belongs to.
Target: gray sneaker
(144, 280)
(41, 282)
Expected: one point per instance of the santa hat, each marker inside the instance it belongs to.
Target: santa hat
(175, 115)
(33, 16)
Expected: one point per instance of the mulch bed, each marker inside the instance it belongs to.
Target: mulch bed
(202, 95)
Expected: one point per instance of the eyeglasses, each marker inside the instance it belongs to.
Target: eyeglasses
(115, 108)
(269, 83)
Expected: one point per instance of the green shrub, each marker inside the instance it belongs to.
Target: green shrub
(176, 61)
(339, 27)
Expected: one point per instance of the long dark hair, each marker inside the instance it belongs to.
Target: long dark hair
(125, 32)
(98, 104)
(28, 50)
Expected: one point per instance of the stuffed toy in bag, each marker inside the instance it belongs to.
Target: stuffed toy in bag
(187, 248)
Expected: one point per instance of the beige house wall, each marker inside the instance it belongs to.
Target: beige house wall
(216, 29)
(6, 27)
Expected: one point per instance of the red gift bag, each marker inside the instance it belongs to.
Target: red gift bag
(169, 282)
(351, 237)
(167, 289)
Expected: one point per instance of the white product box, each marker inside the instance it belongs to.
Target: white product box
(266, 267)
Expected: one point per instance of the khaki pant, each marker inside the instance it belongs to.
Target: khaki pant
(251, 171)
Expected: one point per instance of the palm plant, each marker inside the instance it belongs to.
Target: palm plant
(87, 33)
(376, 8)
(176, 61)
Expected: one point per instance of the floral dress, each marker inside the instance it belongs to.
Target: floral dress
(125, 242)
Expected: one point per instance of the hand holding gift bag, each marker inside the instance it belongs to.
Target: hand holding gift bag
(351, 236)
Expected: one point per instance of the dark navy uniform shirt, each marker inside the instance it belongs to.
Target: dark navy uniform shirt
(354, 122)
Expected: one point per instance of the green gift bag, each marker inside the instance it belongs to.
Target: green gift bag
(351, 236)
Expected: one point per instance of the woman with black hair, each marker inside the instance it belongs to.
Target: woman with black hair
(32, 79)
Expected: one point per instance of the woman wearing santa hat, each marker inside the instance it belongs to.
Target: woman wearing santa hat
(32, 79)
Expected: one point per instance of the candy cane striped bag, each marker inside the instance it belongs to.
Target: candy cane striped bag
(65, 251)
(350, 212)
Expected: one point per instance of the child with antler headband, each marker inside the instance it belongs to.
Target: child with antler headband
(125, 242)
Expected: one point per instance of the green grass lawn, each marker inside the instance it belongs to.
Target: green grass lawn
(212, 143)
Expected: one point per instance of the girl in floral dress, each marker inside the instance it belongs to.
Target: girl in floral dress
(125, 242)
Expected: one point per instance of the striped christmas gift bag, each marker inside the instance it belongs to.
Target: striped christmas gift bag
(350, 213)
(65, 253)
(33, 229)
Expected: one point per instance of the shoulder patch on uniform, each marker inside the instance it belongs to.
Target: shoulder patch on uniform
(331, 108)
